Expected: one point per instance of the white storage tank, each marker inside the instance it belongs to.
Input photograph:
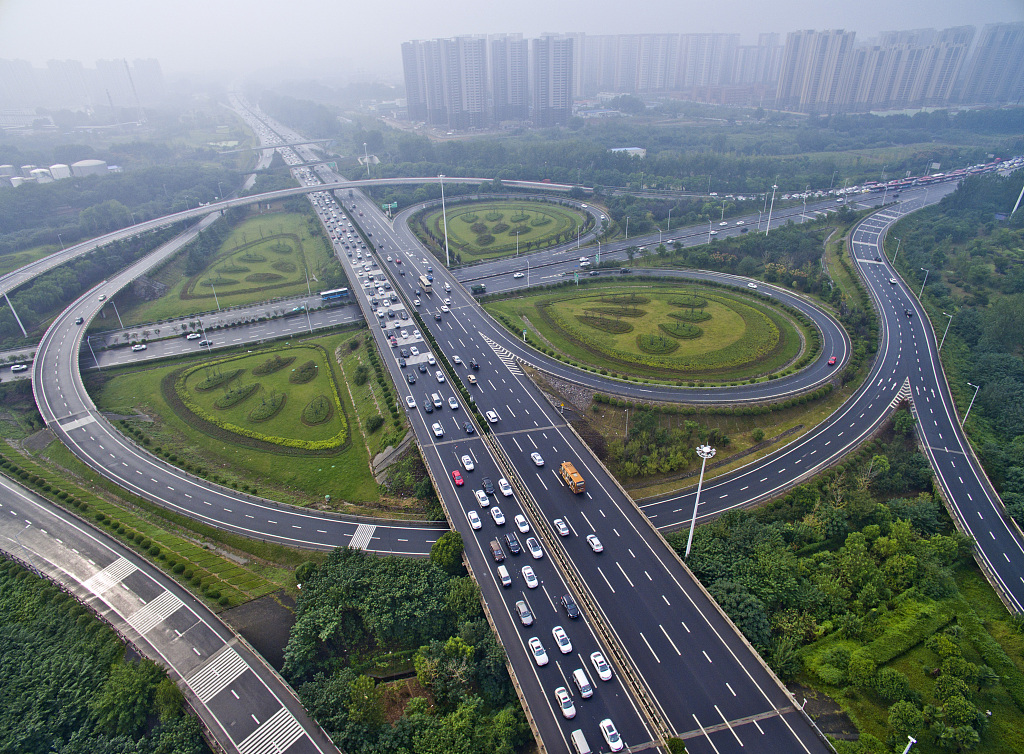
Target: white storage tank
(6, 171)
(60, 171)
(42, 175)
(26, 170)
(83, 168)
(17, 180)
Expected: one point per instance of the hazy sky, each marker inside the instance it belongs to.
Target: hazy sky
(249, 35)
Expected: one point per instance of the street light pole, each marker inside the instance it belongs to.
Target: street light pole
(912, 742)
(976, 389)
(366, 159)
(898, 242)
(627, 228)
(115, 312)
(61, 242)
(217, 300)
(768, 227)
(444, 219)
(709, 231)
(670, 221)
(705, 452)
(946, 330)
(926, 272)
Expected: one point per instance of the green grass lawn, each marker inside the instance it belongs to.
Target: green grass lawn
(288, 421)
(294, 477)
(538, 224)
(265, 257)
(11, 262)
(744, 336)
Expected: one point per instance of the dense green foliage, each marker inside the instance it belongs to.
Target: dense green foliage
(356, 609)
(977, 264)
(838, 581)
(68, 688)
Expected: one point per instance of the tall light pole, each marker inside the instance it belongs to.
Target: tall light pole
(898, 242)
(946, 330)
(627, 227)
(709, 231)
(768, 227)
(670, 220)
(220, 189)
(517, 243)
(705, 452)
(976, 389)
(366, 159)
(118, 315)
(217, 300)
(444, 219)
(926, 273)
(61, 242)
(911, 743)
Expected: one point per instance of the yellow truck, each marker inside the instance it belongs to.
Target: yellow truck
(572, 478)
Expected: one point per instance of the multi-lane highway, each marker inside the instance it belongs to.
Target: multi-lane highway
(244, 704)
(640, 604)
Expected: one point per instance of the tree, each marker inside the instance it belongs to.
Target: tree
(903, 422)
(905, 719)
(365, 704)
(447, 552)
(892, 685)
(125, 699)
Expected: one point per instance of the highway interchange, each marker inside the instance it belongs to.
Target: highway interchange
(732, 700)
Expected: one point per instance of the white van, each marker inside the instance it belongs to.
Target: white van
(580, 742)
(583, 683)
(506, 580)
(436, 400)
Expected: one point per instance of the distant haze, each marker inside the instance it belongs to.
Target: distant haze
(328, 38)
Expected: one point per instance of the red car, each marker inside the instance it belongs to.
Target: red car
(832, 361)
(457, 476)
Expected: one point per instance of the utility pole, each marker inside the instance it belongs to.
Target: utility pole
(444, 218)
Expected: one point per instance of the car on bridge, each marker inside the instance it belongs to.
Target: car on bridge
(457, 478)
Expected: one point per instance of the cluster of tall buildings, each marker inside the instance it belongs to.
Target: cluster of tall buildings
(473, 82)
(68, 84)
(477, 81)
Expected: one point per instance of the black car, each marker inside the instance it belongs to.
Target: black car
(513, 544)
(473, 364)
(402, 363)
(909, 313)
(405, 353)
(422, 367)
(79, 321)
(410, 377)
(437, 316)
(428, 406)
(469, 428)
(488, 485)
(570, 606)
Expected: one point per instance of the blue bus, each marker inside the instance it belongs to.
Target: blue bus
(334, 293)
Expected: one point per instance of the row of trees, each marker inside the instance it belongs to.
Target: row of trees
(357, 610)
(68, 688)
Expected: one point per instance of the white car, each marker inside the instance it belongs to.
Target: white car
(583, 259)
(565, 703)
(474, 519)
(530, 578)
(467, 463)
(410, 401)
(139, 347)
(416, 302)
(534, 547)
(416, 335)
(414, 351)
(445, 308)
(752, 285)
(457, 359)
(595, 543)
(518, 275)
(562, 640)
(193, 336)
(404, 334)
(740, 222)
(448, 302)
(892, 281)
(453, 404)
(19, 368)
(438, 374)
(498, 516)
(601, 666)
(713, 233)
(431, 360)
(537, 649)
(506, 490)
(611, 735)
(561, 527)
(538, 460)
(481, 497)
(723, 224)
(438, 429)
(492, 417)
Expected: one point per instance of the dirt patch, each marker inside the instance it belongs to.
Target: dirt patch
(265, 623)
(397, 694)
(828, 715)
